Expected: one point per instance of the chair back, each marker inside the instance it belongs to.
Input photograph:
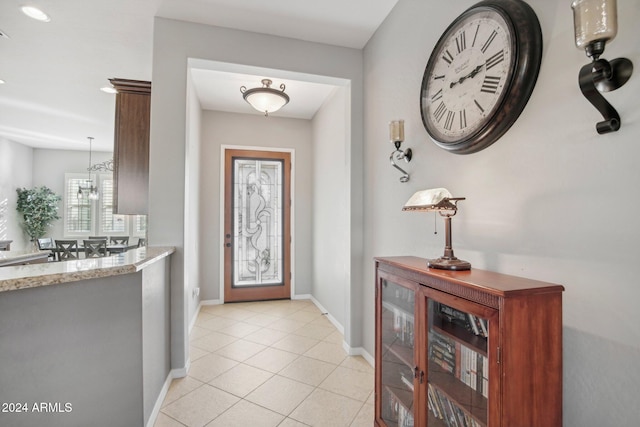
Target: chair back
(45, 243)
(95, 248)
(67, 249)
(142, 242)
(97, 237)
(119, 240)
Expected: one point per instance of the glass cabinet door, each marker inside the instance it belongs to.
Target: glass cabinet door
(397, 348)
(457, 366)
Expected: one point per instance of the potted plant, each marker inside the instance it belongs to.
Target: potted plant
(39, 208)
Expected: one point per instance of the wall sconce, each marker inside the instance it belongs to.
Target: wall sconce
(396, 136)
(439, 200)
(596, 23)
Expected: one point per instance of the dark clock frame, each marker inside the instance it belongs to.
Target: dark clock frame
(527, 49)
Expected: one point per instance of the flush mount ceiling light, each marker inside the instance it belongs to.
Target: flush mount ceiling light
(2, 82)
(35, 13)
(265, 99)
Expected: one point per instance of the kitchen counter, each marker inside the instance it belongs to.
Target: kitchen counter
(51, 273)
(91, 336)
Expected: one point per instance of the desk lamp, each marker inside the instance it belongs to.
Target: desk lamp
(439, 200)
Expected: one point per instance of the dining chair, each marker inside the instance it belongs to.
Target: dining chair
(66, 249)
(98, 238)
(119, 240)
(46, 243)
(95, 248)
(142, 242)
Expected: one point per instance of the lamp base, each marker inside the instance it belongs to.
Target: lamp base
(454, 263)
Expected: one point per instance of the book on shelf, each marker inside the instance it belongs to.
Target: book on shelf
(472, 323)
(445, 409)
(404, 327)
(459, 360)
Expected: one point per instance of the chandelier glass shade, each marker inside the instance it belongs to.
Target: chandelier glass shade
(265, 99)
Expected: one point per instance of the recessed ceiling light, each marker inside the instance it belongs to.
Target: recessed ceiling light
(5, 35)
(35, 13)
(2, 82)
(108, 89)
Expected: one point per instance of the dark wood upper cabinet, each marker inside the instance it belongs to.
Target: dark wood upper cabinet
(131, 147)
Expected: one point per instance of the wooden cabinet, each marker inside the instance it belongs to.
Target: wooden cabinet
(131, 146)
(466, 348)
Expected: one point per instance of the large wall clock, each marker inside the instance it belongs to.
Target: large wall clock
(481, 74)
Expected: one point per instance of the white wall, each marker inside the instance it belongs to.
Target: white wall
(248, 130)
(331, 205)
(15, 172)
(551, 200)
(174, 43)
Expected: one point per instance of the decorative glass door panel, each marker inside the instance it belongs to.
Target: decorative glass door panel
(457, 366)
(257, 222)
(397, 327)
(257, 231)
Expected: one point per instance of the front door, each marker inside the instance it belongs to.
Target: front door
(257, 232)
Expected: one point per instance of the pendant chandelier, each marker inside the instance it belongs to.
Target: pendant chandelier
(265, 99)
(89, 190)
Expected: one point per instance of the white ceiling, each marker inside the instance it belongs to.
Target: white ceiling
(53, 71)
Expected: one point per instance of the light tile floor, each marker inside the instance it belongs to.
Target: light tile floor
(268, 364)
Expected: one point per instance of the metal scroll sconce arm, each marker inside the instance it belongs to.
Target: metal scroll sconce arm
(401, 155)
(604, 76)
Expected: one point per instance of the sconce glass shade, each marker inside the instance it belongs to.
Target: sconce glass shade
(594, 21)
(265, 99)
(396, 131)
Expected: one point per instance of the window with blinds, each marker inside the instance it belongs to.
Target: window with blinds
(83, 217)
(109, 222)
(78, 212)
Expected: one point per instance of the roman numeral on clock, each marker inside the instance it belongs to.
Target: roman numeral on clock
(486, 44)
(461, 42)
(448, 58)
(490, 84)
(495, 60)
(463, 119)
(436, 96)
(439, 111)
(448, 123)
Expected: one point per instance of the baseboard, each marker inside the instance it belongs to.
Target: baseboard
(195, 316)
(359, 351)
(173, 374)
(324, 311)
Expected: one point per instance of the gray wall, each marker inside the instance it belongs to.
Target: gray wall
(551, 200)
(331, 206)
(77, 343)
(219, 128)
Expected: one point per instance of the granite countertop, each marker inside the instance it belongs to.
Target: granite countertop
(51, 273)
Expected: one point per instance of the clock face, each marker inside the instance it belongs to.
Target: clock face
(474, 85)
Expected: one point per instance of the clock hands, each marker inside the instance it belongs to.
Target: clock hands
(471, 75)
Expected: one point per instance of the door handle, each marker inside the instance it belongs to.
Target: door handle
(228, 245)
